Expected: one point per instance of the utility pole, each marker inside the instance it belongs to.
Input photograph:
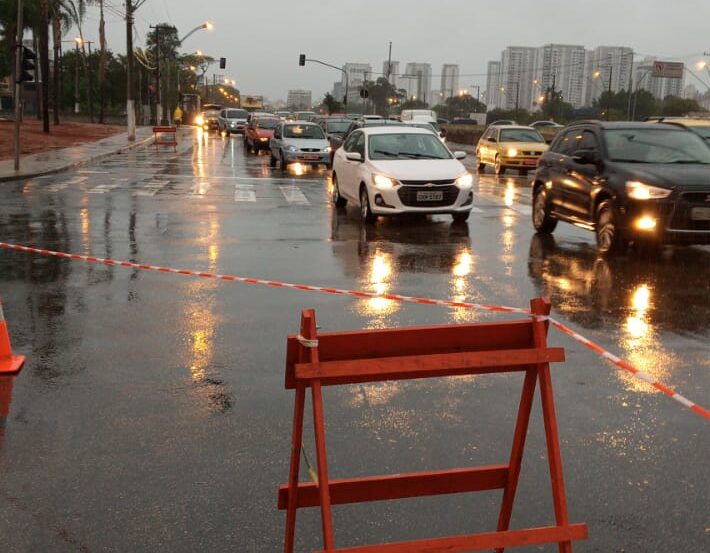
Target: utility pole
(89, 74)
(631, 88)
(18, 83)
(389, 63)
(130, 106)
(44, 62)
(158, 107)
(552, 99)
(608, 98)
(76, 76)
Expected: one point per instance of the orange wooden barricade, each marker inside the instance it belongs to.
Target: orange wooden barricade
(161, 140)
(337, 358)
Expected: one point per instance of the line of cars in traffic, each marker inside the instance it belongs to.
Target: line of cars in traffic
(628, 182)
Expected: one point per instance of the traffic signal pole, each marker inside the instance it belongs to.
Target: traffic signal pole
(18, 84)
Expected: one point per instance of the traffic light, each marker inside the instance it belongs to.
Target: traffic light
(302, 60)
(222, 63)
(27, 74)
(364, 93)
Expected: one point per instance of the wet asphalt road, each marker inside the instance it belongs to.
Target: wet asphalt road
(152, 416)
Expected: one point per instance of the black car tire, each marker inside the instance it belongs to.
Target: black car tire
(365, 212)
(481, 167)
(272, 160)
(460, 218)
(542, 221)
(610, 239)
(338, 200)
(283, 162)
(499, 169)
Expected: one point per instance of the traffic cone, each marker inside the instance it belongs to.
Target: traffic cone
(9, 363)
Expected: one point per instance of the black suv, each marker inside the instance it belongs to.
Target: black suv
(628, 182)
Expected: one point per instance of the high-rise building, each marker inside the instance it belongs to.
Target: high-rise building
(449, 80)
(392, 71)
(564, 66)
(493, 84)
(660, 87)
(417, 82)
(517, 75)
(338, 91)
(608, 67)
(299, 99)
(357, 74)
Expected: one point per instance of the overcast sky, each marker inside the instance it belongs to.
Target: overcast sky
(262, 40)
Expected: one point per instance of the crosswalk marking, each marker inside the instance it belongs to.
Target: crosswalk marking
(58, 186)
(244, 193)
(103, 188)
(151, 188)
(293, 195)
(199, 189)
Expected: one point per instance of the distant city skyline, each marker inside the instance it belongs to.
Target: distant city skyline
(272, 69)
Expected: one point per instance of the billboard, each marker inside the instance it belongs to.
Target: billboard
(668, 69)
(252, 102)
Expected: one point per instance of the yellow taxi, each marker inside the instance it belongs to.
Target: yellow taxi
(698, 125)
(510, 146)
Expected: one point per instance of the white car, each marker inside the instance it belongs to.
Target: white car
(396, 170)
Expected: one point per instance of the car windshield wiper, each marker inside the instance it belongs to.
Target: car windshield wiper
(418, 155)
(630, 160)
(689, 161)
(385, 153)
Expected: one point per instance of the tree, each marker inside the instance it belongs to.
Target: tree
(414, 104)
(673, 105)
(460, 106)
(331, 104)
(382, 94)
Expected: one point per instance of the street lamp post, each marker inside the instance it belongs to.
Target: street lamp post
(77, 42)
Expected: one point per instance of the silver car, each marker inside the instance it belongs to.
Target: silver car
(299, 141)
(232, 121)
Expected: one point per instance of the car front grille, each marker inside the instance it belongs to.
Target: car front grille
(529, 153)
(682, 214)
(310, 149)
(408, 196)
(426, 182)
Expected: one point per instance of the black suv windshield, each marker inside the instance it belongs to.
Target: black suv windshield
(407, 146)
(237, 114)
(655, 146)
(303, 131)
(338, 126)
(520, 135)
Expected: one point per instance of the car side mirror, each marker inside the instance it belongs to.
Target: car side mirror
(492, 139)
(353, 156)
(459, 155)
(443, 132)
(586, 156)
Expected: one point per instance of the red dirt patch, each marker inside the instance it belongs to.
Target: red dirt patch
(67, 134)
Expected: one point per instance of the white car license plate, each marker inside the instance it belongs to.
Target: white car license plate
(700, 214)
(530, 162)
(430, 196)
(310, 156)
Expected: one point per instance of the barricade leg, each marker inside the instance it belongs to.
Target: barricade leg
(296, 440)
(549, 417)
(516, 452)
(305, 355)
(323, 481)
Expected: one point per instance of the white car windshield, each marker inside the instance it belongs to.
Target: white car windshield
(303, 131)
(407, 146)
(236, 114)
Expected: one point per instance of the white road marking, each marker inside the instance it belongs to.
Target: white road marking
(151, 188)
(200, 189)
(57, 186)
(475, 209)
(244, 193)
(102, 188)
(293, 195)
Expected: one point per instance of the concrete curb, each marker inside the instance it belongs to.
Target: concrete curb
(70, 165)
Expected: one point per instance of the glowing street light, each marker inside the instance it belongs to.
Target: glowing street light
(206, 25)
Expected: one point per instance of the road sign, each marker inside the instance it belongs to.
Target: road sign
(668, 69)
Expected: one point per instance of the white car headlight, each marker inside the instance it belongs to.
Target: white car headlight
(512, 152)
(640, 191)
(292, 148)
(327, 149)
(465, 181)
(380, 181)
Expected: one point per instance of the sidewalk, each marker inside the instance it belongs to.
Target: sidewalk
(54, 161)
